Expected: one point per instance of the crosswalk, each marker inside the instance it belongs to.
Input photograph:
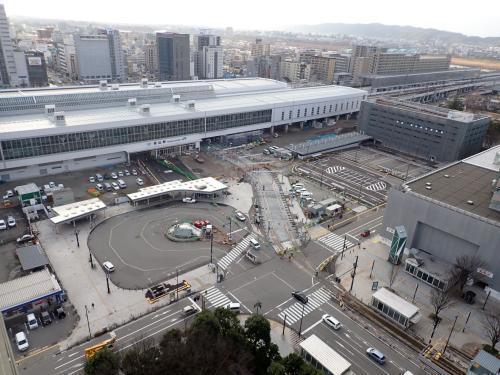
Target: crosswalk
(294, 312)
(335, 242)
(377, 186)
(334, 169)
(215, 297)
(235, 253)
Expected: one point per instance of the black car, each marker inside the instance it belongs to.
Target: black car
(301, 297)
(45, 318)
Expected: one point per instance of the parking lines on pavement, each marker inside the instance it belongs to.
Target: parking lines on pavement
(215, 297)
(315, 300)
(235, 253)
(335, 242)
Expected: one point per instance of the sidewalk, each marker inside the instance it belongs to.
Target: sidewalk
(86, 286)
(241, 196)
(373, 250)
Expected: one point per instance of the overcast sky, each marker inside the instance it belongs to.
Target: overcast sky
(479, 17)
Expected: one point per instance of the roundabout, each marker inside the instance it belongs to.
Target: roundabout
(136, 243)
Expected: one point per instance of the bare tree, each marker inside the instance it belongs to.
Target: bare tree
(464, 266)
(491, 324)
(440, 301)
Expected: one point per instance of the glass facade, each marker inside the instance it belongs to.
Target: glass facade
(390, 313)
(69, 142)
(425, 276)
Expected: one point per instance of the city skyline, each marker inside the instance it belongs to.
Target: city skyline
(443, 16)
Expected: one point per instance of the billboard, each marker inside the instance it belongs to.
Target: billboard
(34, 61)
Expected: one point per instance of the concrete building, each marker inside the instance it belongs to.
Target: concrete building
(100, 57)
(173, 56)
(260, 49)
(294, 72)
(342, 62)
(151, 58)
(208, 57)
(56, 130)
(21, 69)
(446, 214)
(37, 68)
(424, 131)
(8, 72)
(322, 69)
(399, 63)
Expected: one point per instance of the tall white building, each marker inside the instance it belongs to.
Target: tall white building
(8, 72)
(100, 57)
(208, 57)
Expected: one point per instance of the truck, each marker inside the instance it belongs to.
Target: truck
(106, 344)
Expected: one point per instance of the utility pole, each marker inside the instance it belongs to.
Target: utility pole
(107, 282)
(449, 336)
(177, 284)
(90, 260)
(77, 240)
(466, 321)
(414, 294)
(88, 323)
(284, 324)
(211, 246)
(486, 300)
(230, 230)
(301, 317)
(353, 274)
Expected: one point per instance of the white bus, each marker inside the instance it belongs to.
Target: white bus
(324, 358)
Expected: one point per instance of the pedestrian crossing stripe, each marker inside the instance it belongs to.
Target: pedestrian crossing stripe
(235, 253)
(335, 242)
(294, 312)
(377, 186)
(215, 297)
(334, 169)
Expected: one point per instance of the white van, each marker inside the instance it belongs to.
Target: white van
(331, 321)
(233, 306)
(255, 244)
(306, 194)
(122, 184)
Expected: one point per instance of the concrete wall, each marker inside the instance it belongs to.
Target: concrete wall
(443, 232)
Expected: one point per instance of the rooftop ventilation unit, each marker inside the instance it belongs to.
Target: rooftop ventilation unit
(59, 118)
(145, 109)
(428, 184)
(496, 161)
(50, 110)
(470, 202)
(132, 102)
(157, 84)
(144, 83)
(428, 187)
(103, 85)
(190, 105)
(115, 86)
(446, 176)
(176, 98)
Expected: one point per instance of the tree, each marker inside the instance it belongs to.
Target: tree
(142, 359)
(276, 368)
(456, 104)
(491, 324)
(207, 323)
(295, 365)
(464, 266)
(229, 324)
(104, 362)
(440, 301)
(258, 331)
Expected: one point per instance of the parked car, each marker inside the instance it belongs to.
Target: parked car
(8, 194)
(115, 186)
(31, 321)
(240, 216)
(22, 342)
(99, 187)
(114, 176)
(99, 177)
(107, 186)
(189, 200)
(52, 184)
(122, 184)
(108, 266)
(91, 179)
(60, 313)
(120, 174)
(365, 233)
(127, 173)
(376, 355)
(11, 222)
(45, 318)
(139, 181)
(301, 297)
(2, 224)
(331, 321)
(25, 238)
(134, 172)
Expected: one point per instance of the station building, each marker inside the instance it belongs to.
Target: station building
(57, 130)
(450, 212)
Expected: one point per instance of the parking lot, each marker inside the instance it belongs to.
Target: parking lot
(135, 242)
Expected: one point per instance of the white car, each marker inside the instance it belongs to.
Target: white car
(11, 222)
(134, 172)
(92, 179)
(115, 186)
(25, 238)
(9, 194)
(22, 341)
(2, 224)
(31, 320)
(52, 184)
(108, 266)
(99, 187)
(240, 216)
(114, 175)
(189, 200)
(331, 321)
(127, 173)
(139, 181)
(120, 174)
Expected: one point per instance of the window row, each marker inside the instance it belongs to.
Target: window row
(391, 313)
(425, 276)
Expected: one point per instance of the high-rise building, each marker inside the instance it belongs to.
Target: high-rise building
(150, 58)
(173, 56)
(322, 68)
(294, 72)
(208, 56)
(37, 68)
(21, 69)
(342, 62)
(8, 73)
(260, 49)
(100, 57)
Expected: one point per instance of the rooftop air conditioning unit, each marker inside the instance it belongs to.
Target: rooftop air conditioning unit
(115, 86)
(144, 83)
(50, 110)
(496, 161)
(157, 84)
(428, 187)
(190, 105)
(132, 102)
(470, 202)
(103, 85)
(59, 118)
(176, 98)
(446, 176)
(145, 109)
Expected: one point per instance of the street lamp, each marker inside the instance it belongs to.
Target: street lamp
(301, 317)
(258, 305)
(88, 323)
(211, 246)
(107, 282)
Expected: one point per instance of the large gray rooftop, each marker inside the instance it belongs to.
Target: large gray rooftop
(328, 143)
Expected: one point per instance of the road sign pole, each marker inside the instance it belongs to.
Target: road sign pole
(354, 273)
(301, 318)
(284, 323)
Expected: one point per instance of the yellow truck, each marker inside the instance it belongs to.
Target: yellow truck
(106, 344)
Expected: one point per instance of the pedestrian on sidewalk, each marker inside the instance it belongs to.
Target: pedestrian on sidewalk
(93, 305)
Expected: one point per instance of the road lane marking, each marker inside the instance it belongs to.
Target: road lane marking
(241, 303)
(311, 327)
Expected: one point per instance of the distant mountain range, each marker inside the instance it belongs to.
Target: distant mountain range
(393, 32)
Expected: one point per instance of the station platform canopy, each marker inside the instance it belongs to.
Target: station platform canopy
(77, 210)
(403, 307)
(207, 185)
(27, 289)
